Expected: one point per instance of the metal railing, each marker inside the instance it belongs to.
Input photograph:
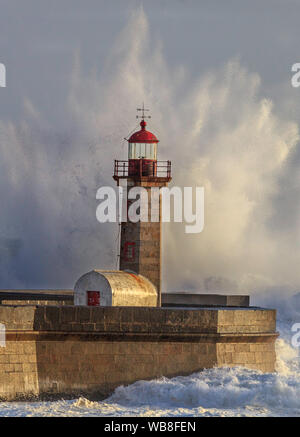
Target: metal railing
(142, 167)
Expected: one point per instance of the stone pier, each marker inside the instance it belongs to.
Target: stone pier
(67, 351)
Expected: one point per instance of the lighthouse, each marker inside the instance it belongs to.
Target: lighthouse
(140, 245)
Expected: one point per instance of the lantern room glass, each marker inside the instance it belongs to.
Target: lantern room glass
(142, 151)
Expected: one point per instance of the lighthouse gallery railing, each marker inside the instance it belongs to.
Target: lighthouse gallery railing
(142, 167)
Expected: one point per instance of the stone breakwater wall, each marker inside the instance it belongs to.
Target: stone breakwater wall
(36, 297)
(66, 351)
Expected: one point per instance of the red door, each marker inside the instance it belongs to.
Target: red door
(93, 298)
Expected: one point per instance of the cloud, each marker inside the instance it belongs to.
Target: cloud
(240, 152)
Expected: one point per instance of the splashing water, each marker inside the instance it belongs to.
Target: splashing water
(218, 130)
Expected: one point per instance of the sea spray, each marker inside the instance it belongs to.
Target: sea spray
(219, 131)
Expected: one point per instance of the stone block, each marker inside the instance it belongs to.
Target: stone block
(52, 315)
(68, 314)
(83, 314)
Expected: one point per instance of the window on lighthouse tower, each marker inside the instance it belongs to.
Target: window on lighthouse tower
(142, 151)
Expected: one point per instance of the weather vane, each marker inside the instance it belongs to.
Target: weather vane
(143, 109)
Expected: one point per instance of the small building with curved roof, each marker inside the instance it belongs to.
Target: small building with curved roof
(115, 288)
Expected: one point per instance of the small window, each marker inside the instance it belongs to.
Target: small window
(129, 251)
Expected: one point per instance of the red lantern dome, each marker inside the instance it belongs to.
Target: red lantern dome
(142, 156)
(143, 135)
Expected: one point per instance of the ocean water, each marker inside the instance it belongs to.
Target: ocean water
(212, 392)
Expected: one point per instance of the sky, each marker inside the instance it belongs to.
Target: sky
(39, 39)
(217, 77)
